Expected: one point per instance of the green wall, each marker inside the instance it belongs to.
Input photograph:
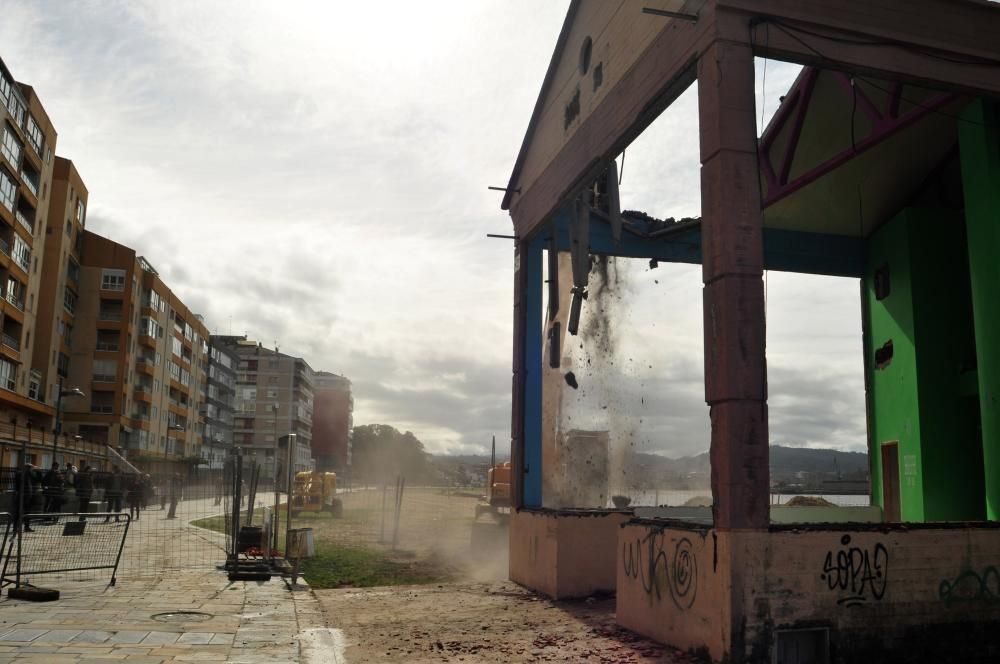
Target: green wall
(923, 398)
(979, 142)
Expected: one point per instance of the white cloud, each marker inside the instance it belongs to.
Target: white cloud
(314, 173)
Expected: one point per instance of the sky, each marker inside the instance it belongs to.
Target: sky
(314, 175)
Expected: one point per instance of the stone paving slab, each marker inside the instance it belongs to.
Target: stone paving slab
(251, 622)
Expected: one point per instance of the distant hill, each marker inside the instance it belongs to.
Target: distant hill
(788, 465)
(785, 461)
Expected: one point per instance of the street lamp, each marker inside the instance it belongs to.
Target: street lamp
(63, 392)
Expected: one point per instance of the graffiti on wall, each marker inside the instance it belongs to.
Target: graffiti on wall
(675, 575)
(972, 586)
(858, 574)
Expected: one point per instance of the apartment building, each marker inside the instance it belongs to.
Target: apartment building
(27, 141)
(59, 291)
(139, 354)
(219, 391)
(274, 397)
(333, 422)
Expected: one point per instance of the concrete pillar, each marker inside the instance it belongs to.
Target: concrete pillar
(979, 142)
(732, 270)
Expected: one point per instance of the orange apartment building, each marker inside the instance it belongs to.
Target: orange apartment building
(139, 354)
(27, 141)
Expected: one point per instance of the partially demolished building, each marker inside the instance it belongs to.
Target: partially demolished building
(882, 164)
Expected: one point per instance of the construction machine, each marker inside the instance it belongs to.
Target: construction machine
(315, 491)
(498, 492)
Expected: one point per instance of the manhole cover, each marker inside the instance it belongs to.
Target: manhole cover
(182, 616)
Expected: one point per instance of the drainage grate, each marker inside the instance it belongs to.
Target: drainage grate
(182, 616)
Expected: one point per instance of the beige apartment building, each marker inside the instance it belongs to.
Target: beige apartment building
(274, 397)
(59, 290)
(139, 354)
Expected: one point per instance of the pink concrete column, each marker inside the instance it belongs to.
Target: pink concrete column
(732, 269)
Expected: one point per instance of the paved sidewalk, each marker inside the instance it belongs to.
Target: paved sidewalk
(246, 622)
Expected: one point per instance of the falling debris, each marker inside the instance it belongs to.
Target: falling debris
(571, 380)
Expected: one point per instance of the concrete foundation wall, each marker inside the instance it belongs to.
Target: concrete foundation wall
(674, 587)
(565, 554)
(908, 592)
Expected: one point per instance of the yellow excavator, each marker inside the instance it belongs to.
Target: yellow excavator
(315, 491)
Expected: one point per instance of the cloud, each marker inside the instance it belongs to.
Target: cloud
(314, 174)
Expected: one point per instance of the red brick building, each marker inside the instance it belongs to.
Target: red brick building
(333, 408)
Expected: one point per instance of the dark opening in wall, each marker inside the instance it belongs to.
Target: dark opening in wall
(802, 646)
(585, 53)
(572, 109)
(882, 287)
(883, 355)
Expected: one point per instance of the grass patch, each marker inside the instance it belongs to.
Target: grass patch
(338, 566)
(342, 565)
(214, 523)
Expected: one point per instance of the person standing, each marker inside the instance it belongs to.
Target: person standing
(133, 496)
(113, 487)
(147, 490)
(175, 495)
(54, 484)
(23, 494)
(84, 490)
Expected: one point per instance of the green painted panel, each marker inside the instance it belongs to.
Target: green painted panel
(920, 398)
(893, 396)
(979, 142)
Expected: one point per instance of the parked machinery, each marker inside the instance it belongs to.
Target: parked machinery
(316, 492)
(497, 499)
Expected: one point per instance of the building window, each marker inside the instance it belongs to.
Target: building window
(176, 346)
(15, 107)
(69, 300)
(34, 387)
(8, 374)
(150, 328)
(35, 137)
(11, 147)
(21, 252)
(63, 365)
(80, 211)
(73, 271)
(105, 371)
(112, 280)
(8, 190)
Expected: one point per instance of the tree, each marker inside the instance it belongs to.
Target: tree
(379, 452)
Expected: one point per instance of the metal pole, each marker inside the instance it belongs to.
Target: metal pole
(288, 489)
(385, 496)
(20, 511)
(399, 509)
(58, 428)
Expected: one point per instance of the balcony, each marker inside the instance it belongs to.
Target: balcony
(102, 409)
(108, 346)
(22, 218)
(4, 246)
(109, 316)
(12, 298)
(104, 378)
(30, 179)
(10, 342)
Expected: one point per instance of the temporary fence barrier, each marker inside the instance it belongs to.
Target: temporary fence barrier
(53, 543)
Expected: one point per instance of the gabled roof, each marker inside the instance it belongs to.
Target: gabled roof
(540, 102)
